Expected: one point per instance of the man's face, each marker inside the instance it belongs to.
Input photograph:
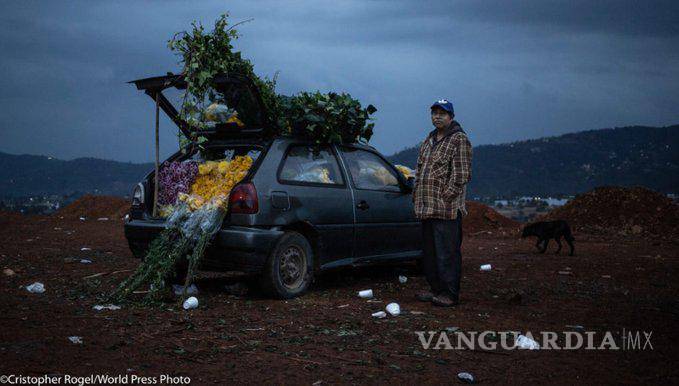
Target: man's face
(440, 118)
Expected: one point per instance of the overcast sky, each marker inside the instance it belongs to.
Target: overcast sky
(513, 69)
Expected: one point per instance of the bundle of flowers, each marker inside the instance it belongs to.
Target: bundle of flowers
(217, 178)
(190, 225)
(174, 178)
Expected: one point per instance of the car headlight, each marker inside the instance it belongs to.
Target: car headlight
(138, 195)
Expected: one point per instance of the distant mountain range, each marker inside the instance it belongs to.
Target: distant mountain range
(29, 175)
(563, 165)
(573, 163)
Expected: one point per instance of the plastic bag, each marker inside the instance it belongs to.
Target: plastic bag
(218, 112)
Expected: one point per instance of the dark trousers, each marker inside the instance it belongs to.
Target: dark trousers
(442, 255)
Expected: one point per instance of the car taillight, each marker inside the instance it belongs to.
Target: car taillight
(243, 199)
(138, 195)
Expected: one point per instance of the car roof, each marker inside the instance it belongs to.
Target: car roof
(311, 142)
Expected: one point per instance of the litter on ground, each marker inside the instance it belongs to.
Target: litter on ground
(111, 307)
(190, 303)
(36, 288)
(179, 289)
(465, 377)
(76, 339)
(394, 309)
(527, 343)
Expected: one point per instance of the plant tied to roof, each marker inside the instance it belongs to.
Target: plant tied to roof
(328, 117)
(322, 117)
(205, 55)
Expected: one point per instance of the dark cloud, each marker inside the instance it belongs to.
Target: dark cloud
(514, 69)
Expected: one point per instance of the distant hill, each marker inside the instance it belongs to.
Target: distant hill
(28, 175)
(567, 164)
(573, 163)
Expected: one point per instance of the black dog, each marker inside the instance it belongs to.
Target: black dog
(546, 230)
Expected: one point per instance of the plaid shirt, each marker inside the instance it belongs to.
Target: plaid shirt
(443, 170)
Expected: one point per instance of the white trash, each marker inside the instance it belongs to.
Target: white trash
(394, 309)
(85, 249)
(102, 219)
(486, 267)
(82, 218)
(8, 272)
(379, 314)
(465, 377)
(36, 288)
(111, 307)
(76, 339)
(179, 289)
(366, 294)
(527, 343)
(190, 303)
(402, 279)
(85, 261)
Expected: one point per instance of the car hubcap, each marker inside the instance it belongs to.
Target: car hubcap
(292, 267)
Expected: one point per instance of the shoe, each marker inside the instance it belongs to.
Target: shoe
(424, 296)
(444, 301)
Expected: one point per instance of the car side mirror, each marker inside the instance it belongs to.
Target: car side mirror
(410, 184)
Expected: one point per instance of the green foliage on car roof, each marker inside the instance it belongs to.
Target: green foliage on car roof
(321, 117)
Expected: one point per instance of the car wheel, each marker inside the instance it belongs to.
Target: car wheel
(289, 270)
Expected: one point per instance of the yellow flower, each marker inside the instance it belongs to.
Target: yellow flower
(223, 167)
(234, 119)
(407, 172)
(216, 179)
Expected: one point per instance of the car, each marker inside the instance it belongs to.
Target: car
(302, 208)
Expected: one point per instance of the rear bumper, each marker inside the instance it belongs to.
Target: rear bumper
(234, 248)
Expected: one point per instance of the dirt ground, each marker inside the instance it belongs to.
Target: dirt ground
(329, 334)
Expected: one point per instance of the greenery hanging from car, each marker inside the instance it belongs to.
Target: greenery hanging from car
(317, 116)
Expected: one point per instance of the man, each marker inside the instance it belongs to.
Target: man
(443, 171)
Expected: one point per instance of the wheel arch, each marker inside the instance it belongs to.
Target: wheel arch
(306, 229)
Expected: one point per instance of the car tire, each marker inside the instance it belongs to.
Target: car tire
(288, 271)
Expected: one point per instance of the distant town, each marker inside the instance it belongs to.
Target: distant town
(45, 204)
(523, 208)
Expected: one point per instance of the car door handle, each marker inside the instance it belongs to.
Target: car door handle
(362, 205)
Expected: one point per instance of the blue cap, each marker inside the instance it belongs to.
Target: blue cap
(444, 104)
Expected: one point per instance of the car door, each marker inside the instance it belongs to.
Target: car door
(320, 196)
(385, 219)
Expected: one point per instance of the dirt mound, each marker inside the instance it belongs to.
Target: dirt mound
(8, 217)
(482, 218)
(623, 211)
(93, 207)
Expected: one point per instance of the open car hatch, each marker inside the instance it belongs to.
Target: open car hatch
(239, 92)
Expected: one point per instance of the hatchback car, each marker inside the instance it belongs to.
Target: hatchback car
(302, 208)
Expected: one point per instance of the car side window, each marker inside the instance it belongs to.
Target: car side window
(311, 164)
(369, 171)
